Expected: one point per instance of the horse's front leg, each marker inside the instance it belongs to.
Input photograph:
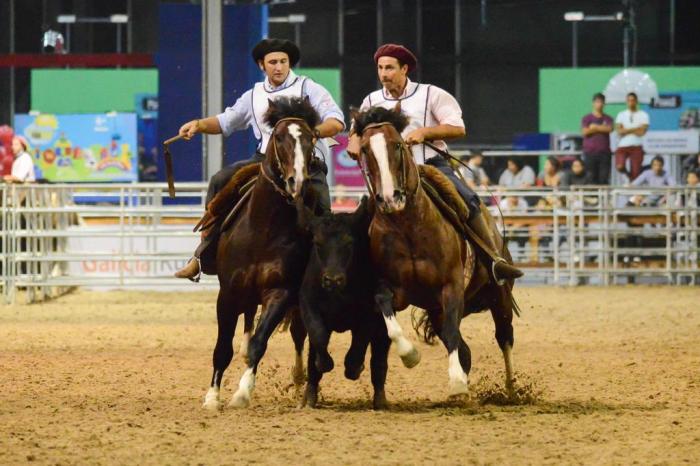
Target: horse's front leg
(276, 305)
(383, 301)
(226, 316)
(460, 360)
(298, 331)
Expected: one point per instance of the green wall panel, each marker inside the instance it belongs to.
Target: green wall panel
(89, 90)
(565, 93)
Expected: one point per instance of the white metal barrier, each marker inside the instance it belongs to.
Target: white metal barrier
(131, 235)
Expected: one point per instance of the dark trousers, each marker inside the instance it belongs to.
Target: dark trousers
(470, 197)
(317, 175)
(598, 165)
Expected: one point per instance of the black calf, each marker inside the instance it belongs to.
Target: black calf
(337, 295)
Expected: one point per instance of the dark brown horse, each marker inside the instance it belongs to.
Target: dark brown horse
(261, 258)
(420, 257)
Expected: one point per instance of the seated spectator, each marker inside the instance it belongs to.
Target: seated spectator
(513, 204)
(578, 175)
(691, 164)
(551, 176)
(692, 181)
(517, 175)
(23, 165)
(475, 176)
(655, 177)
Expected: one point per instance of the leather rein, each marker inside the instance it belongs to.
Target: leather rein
(271, 177)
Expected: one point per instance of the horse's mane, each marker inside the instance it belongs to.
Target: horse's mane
(291, 107)
(379, 115)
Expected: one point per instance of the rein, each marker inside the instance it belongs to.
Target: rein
(271, 177)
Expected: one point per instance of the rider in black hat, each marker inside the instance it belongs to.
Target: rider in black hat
(275, 57)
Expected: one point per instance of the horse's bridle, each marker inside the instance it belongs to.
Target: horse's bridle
(276, 180)
(403, 180)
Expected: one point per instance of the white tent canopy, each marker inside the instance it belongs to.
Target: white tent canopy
(627, 81)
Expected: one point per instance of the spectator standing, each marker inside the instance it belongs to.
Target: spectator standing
(631, 124)
(23, 165)
(475, 176)
(655, 177)
(517, 175)
(596, 128)
(579, 175)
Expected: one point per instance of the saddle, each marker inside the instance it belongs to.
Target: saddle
(442, 192)
(227, 202)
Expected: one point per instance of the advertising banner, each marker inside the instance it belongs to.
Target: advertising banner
(81, 147)
(346, 172)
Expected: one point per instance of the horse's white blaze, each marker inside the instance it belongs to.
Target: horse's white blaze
(211, 399)
(458, 378)
(244, 344)
(295, 131)
(379, 149)
(241, 398)
(408, 353)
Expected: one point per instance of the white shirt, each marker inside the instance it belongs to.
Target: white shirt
(23, 167)
(242, 114)
(630, 120)
(425, 105)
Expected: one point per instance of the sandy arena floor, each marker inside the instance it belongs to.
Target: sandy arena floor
(119, 378)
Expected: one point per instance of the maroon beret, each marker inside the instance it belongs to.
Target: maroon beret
(399, 52)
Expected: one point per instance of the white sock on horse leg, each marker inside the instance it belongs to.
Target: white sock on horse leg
(458, 378)
(241, 399)
(408, 353)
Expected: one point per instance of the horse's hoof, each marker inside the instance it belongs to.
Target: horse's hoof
(379, 402)
(354, 373)
(459, 387)
(310, 398)
(241, 399)
(324, 363)
(298, 376)
(411, 359)
(211, 400)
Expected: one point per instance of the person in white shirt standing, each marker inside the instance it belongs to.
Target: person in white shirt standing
(434, 115)
(23, 165)
(631, 125)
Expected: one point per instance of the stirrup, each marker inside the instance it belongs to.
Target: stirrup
(196, 278)
(499, 281)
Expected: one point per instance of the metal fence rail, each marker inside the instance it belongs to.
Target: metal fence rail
(131, 235)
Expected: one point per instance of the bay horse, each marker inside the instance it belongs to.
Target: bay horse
(420, 257)
(261, 257)
(337, 294)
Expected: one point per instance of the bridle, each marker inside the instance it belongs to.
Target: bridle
(404, 165)
(275, 180)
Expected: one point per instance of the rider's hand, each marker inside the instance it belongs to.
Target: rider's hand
(417, 136)
(354, 145)
(189, 129)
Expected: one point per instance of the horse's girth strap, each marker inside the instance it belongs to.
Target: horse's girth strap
(462, 227)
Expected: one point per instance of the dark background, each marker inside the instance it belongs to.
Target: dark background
(500, 58)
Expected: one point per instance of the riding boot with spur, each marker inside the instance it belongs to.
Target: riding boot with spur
(500, 268)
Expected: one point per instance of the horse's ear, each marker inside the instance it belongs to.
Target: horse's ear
(397, 107)
(307, 100)
(271, 104)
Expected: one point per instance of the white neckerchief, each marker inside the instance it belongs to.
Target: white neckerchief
(289, 80)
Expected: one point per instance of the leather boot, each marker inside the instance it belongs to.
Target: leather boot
(500, 268)
(191, 270)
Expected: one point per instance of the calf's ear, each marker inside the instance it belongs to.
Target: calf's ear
(363, 215)
(305, 215)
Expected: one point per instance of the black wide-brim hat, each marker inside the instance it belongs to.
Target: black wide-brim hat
(266, 46)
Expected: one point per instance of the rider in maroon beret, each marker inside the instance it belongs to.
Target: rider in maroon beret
(401, 53)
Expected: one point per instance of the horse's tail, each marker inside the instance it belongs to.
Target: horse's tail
(422, 325)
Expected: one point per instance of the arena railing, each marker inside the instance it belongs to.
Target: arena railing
(59, 236)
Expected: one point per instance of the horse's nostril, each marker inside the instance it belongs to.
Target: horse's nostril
(379, 198)
(397, 194)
